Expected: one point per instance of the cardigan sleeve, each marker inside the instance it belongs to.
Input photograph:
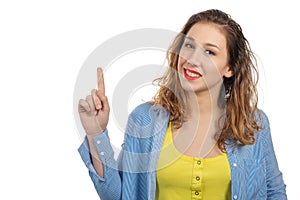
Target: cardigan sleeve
(109, 186)
(275, 184)
(121, 177)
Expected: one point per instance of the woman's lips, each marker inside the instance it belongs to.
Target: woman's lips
(191, 74)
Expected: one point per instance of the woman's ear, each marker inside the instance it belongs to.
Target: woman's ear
(228, 72)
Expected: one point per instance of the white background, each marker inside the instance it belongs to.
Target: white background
(43, 45)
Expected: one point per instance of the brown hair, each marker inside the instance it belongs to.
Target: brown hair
(240, 124)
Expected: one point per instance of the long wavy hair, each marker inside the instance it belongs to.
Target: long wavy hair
(241, 104)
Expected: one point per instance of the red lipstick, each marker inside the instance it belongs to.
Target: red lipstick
(191, 74)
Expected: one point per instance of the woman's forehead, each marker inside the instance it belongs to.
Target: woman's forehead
(203, 33)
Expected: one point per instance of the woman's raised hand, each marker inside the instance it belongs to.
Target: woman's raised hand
(94, 109)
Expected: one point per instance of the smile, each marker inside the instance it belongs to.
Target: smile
(191, 74)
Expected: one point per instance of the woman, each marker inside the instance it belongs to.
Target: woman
(202, 137)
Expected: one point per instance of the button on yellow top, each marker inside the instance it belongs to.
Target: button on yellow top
(183, 177)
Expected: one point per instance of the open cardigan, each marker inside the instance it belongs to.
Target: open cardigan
(254, 168)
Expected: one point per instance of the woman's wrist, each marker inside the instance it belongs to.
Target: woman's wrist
(91, 137)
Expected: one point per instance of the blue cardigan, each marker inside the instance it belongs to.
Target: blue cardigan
(254, 168)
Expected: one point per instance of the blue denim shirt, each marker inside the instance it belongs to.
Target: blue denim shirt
(254, 168)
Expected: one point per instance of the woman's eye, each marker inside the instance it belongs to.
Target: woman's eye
(209, 52)
(188, 45)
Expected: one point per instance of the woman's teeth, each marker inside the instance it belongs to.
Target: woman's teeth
(191, 74)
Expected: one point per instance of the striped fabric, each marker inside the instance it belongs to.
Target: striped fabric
(254, 168)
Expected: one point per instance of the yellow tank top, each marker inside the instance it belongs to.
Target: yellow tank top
(181, 177)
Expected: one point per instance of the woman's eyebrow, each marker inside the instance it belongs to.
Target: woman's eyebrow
(190, 38)
(212, 45)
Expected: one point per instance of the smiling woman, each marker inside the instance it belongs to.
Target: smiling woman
(202, 136)
(203, 53)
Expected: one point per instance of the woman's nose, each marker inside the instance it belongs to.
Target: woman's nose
(195, 59)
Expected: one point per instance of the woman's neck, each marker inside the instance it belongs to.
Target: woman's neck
(204, 120)
(206, 103)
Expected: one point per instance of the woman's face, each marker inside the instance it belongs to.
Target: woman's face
(203, 58)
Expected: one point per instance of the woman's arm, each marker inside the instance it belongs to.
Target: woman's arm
(107, 186)
(96, 150)
(96, 161)
(275, 184)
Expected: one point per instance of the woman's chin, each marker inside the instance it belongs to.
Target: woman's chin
(192, 87)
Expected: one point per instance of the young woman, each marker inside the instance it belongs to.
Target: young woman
(202, 137)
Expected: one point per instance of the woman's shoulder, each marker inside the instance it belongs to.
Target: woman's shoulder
(147, 109)
(147, 120)
(142, 108)
(262, 139)
(147, 112)
(262, 120)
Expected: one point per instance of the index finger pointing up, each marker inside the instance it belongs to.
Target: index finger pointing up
(101, 86)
